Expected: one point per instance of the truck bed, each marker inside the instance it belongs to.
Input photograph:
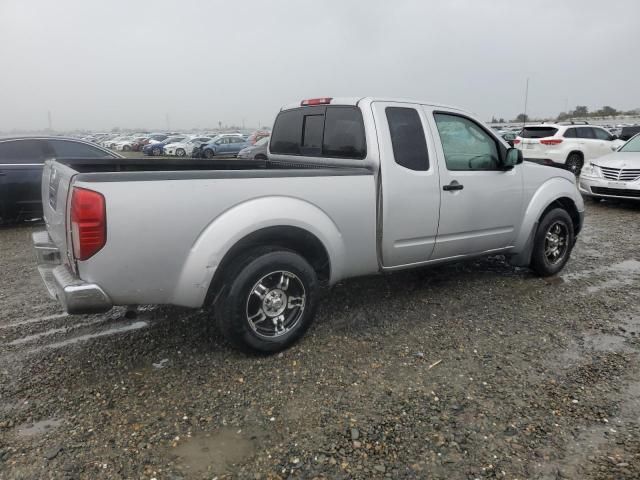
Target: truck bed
(143, 169)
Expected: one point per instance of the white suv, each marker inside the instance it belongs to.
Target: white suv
(570, 144)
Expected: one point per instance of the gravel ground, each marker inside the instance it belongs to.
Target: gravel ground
(475, 370)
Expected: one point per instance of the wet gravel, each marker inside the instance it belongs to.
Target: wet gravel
(474, 370)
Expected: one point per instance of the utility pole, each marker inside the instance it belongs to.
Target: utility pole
(526, 100)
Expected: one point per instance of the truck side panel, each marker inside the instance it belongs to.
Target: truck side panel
(165, 238)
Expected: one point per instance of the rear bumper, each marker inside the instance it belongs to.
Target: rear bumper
(75, 295)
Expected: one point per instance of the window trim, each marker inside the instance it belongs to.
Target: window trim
(502, 150)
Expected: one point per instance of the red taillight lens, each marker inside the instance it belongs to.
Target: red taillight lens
(88, 222)
(551, 141)
(316, 101)
(516, 141)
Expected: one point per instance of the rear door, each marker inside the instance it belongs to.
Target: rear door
(589, 145)
(481, 206)
(410, 194)
(20, 173)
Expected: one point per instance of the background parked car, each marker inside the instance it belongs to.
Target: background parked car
(627, 132)
(224, 145)
(257, 151)
(185, 147)
(257, 135)
(21, 160)
(156, 148)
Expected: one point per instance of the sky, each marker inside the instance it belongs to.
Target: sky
(186, 64)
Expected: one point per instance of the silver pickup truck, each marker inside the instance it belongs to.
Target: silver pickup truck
(352, 186)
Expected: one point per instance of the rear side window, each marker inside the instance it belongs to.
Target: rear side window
(570, 133)
(22, 151)
(538, 132)
(585, 132)
(69, 149)
(333, 131)
(407, 138)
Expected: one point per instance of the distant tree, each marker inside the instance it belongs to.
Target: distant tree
(521, 118)
(501, 120)
(608, 111)
(494, 120)
(115, 129)
(581, 111)
(563, 116)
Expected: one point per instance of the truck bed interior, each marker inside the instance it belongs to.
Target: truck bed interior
(94, 165)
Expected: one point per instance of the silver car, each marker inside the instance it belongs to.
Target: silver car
(616, 175)
(257, 151)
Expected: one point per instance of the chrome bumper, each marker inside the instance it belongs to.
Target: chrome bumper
(75, 295)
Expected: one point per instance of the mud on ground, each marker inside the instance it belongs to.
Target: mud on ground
(475, 370)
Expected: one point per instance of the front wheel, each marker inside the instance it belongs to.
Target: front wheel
(574, 163)
(270, 302)
(553, 243)
(157, 152)
(181, 152)
(208, 153)
(126, 148)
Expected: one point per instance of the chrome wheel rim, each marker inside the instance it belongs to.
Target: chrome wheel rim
(275, 304)
(556, 242)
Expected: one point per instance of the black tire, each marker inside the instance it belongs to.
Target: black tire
(180, 152)
(260, 156)
(126, 148)
(157, 151)
(574, 163)
(557, 224)
(208, 153)
(253, 271)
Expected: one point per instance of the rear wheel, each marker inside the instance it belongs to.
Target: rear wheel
(574, 163)
(157, 151)
(126, 148)
(270, 302)
(180, 152)
(260, 156)
(553, 243)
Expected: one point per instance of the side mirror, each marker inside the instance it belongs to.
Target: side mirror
(512, 158)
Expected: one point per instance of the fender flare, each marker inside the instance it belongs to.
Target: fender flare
(548, 193)
(241, 220)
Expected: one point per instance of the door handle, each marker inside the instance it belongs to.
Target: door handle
(454, 185)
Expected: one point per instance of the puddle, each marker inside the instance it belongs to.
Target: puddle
(604, 342)
(53, 331)
(631, 267)
(609, 284)
(34, 320)
(27, 430)
(83, 338)
(216, 452)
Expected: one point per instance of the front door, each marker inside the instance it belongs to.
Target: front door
(410, 190)
(481, 204)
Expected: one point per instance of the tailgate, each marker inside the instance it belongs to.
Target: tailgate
(56, 182)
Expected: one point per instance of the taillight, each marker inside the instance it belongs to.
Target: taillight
(316, 101)
(516, 141)
(551, 141)
(88, 222)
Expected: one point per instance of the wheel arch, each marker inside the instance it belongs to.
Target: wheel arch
(305, 229)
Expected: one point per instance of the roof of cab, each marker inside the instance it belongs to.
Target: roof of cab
(356, 100)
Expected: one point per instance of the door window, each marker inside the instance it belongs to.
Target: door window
(407, 138)
(570, 133)
(22, 151)
(465, 144)
(69, 149)
(602, 134)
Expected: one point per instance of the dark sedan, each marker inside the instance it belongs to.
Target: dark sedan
(21, 160)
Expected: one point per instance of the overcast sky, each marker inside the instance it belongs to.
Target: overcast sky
(100, 64)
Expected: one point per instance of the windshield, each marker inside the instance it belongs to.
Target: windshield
(174, 139)
(632, 145)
